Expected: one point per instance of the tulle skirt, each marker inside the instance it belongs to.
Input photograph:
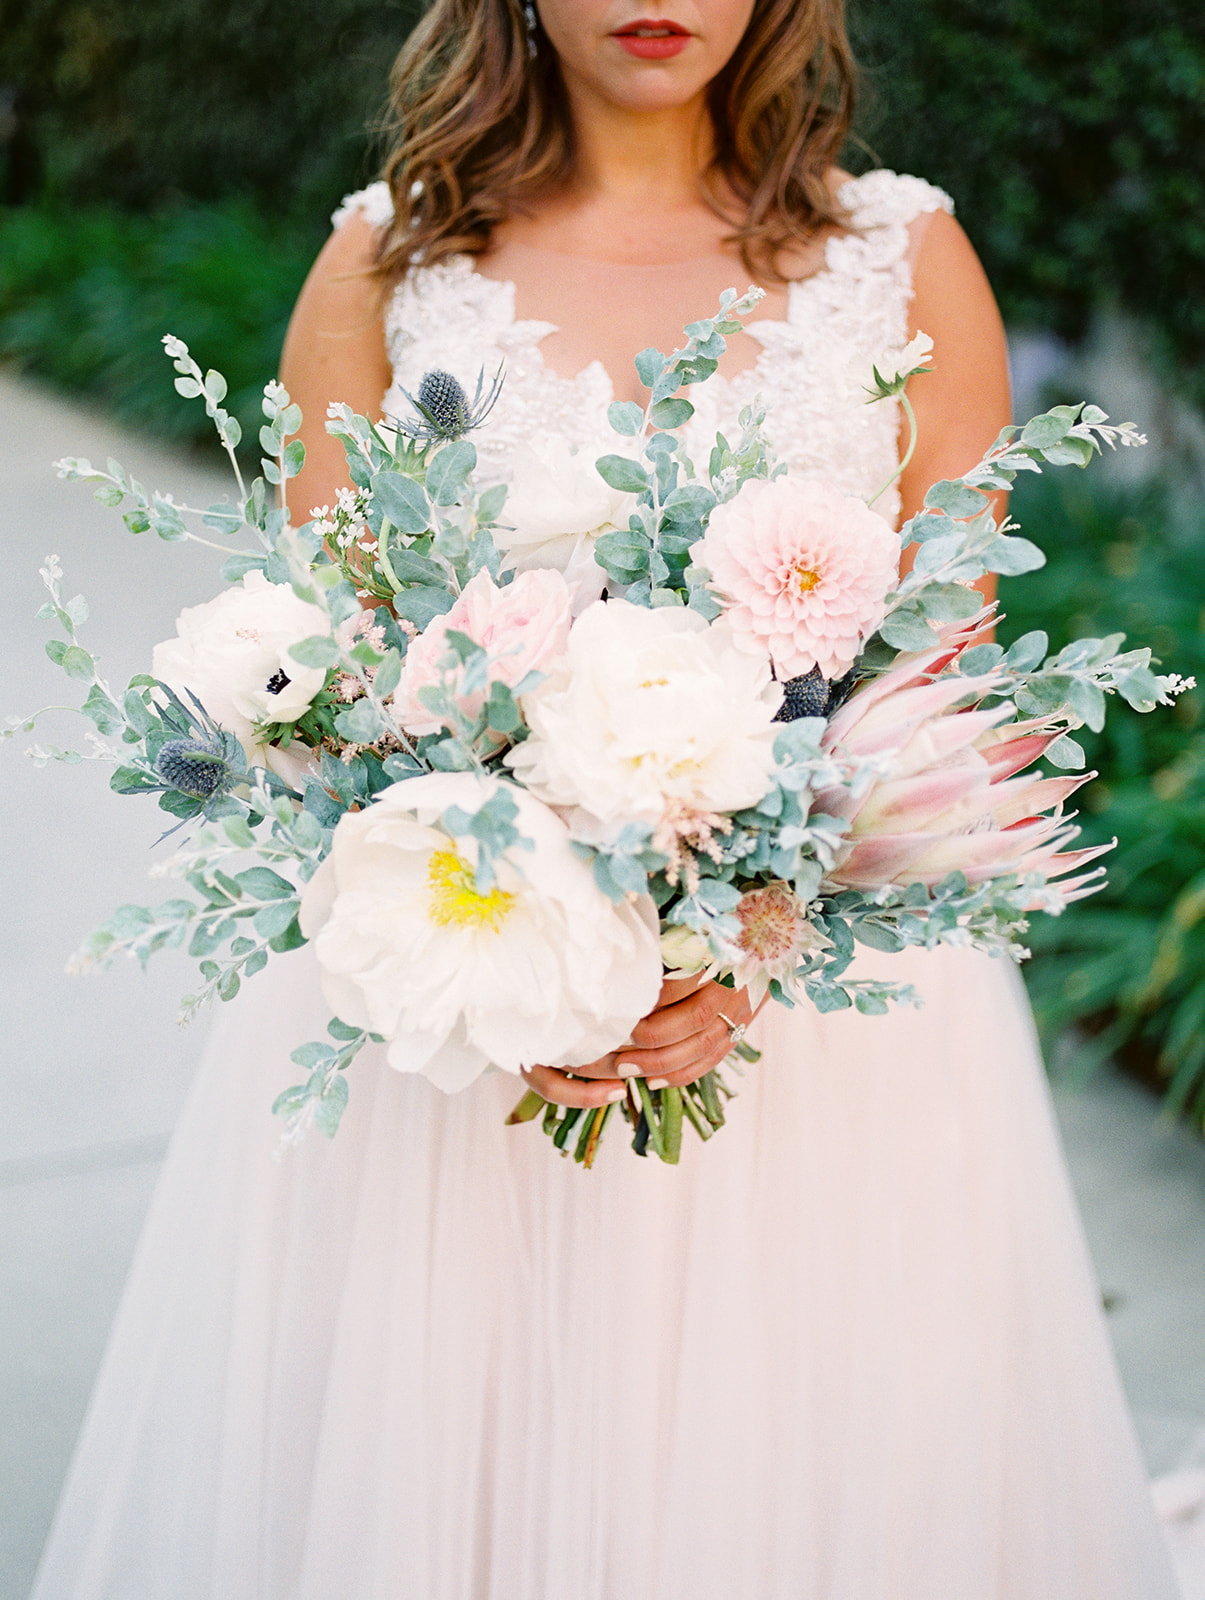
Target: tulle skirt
(851, 1349)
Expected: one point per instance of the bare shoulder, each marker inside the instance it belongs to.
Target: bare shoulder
(341, 298)
(962, 404)
(951, 294)
(334, 349)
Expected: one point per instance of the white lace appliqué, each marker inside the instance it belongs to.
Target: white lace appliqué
(812, 370)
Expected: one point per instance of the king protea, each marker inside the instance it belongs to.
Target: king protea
(952, 794)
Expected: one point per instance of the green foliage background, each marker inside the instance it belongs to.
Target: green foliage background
(1128, 963)
(1072, 137)
(171, 167)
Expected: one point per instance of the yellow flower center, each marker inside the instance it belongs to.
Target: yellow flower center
(453, 902)
(805, 578)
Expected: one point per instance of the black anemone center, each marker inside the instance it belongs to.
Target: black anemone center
(278, 681)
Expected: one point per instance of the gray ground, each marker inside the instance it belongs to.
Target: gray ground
(93, 1069)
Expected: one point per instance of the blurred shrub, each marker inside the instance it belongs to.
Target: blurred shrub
(1128, 964)
(138, 103)
(86, 295)
(1072, 137)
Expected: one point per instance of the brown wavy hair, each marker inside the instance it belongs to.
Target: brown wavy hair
(480, 129)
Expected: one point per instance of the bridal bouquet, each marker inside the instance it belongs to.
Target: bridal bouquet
(507, 756)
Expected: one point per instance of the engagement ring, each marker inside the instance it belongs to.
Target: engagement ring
(736, 1030)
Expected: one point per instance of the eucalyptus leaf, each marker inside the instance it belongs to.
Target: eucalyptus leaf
(319, 650)
(906, 629)
(649, 364)
(980, 658)
(1010, 557)
(1027, 652)
(275, 919)
(955, 498)
(330, 1105)
(622, 473)
(360, 723)
(626, 417)
(388, 674)
(264, 884)
(1065, 752)
(1070, 452)
(101, 710)
(403, 501)
(422, 603)
(671, 413)
(449, 469)
(1044, 431)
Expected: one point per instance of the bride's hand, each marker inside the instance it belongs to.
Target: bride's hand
(683, 1037)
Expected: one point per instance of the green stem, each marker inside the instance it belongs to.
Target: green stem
(908, 453)
(649, 1107)
(671, 1125)
(383, 555)
(695, 1117)
(528, 1108)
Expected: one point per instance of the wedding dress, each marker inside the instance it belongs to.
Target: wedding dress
(851, 1349)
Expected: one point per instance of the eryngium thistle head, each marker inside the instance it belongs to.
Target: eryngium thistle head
(813, 695)
(193, 767)
(445, 402)
(443, 410)
(806, 696)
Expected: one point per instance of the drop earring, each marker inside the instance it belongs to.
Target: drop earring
(529, 18)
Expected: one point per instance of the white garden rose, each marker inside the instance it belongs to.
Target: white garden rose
(543, 968)
(652, 714)
(233, 654)
(556, 506)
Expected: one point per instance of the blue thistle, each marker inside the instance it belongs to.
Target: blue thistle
(197, 768)
(812, 695)
(443, 410)
(806, 696)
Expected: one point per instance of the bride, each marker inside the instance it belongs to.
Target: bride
(849, 1350)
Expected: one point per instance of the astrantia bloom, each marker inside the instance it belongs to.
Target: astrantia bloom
(653, 715)
(524, 627)
(232, 653)
(802, 571)
(542, 967)
(775, 935)
(949, 799)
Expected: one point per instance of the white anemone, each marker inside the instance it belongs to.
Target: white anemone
(232, 652)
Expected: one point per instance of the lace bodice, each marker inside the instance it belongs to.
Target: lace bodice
(811, 371)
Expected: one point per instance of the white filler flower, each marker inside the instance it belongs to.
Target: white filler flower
(233, 654)
(543, 968)
(653, 713)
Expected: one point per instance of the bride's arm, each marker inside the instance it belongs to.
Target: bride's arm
(334, 350)
(964, 402)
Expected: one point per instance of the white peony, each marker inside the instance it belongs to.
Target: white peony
(556, 506)
(543, 968)
(233, 654)
(653, 715)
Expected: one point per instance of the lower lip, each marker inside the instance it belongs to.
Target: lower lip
(653, 49)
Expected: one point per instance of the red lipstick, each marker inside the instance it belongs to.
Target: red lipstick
(651, 39)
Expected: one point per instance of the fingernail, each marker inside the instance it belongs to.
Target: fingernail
(615, 1096)
(658, 1083)
(626, 1069)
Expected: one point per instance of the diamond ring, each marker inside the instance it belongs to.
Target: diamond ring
(736, 1030)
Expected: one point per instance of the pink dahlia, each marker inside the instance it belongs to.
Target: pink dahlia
(953, 795)
(802, 571)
